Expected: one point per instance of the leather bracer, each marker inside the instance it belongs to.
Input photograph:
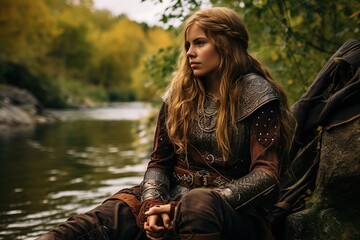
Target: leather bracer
(155, 185)
(255, 189)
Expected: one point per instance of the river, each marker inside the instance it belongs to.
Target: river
(52, 171)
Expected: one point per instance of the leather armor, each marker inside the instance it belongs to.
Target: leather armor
(252, 182)
(251, 190)
(155, 185)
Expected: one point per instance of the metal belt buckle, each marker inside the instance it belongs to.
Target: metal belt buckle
(204, 175)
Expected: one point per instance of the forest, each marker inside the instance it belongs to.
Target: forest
(67, 53)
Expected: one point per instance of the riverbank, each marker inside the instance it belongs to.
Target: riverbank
(19, 108)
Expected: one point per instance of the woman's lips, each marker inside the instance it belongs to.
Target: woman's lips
(194, 64)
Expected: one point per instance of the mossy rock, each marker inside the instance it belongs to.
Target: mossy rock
(333, 210)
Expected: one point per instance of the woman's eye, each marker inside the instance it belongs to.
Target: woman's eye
(200, 43)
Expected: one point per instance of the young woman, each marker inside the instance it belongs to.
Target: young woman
(222, 132)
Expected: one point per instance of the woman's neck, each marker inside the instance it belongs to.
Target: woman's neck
(212, 87)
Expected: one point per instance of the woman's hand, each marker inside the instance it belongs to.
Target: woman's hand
(158, 221)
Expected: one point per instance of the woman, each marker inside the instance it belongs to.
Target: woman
(222, 130)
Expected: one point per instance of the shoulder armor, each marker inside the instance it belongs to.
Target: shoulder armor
(257, 92)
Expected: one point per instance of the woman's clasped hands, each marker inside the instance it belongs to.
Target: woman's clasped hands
(158, 221)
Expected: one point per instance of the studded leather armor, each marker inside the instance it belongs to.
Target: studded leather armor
(253, 164)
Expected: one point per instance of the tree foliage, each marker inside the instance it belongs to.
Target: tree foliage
(151, 77)
(70, 48)
(26, 30)
(69, 44)
(293, 38)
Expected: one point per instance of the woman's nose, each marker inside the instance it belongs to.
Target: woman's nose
(190, 52)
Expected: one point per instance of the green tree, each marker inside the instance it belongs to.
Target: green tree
(157, 62)
(118, 51)
(72, 47)
(293, 38)
(26, 30)
(75, 53)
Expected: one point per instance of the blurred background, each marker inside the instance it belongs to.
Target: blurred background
(81, 81)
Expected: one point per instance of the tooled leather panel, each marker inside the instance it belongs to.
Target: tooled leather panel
(256, 188)
(203, 137)
(257, 92)
(155, 185)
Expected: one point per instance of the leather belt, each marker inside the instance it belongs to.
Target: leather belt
(201, 178)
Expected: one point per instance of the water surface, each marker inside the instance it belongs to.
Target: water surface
(52, 171)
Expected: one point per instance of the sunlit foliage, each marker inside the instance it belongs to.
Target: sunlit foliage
(293, 38)
(26, 30)
(67, 44)
(69, 49)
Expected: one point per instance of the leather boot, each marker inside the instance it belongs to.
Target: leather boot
(194, 236)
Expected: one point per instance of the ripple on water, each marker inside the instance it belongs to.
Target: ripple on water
(70, 167)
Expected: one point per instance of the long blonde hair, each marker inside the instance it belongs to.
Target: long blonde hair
(186, 93)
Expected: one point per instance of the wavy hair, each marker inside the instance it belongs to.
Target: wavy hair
(186, 92)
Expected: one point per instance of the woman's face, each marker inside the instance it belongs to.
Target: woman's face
(201, 52)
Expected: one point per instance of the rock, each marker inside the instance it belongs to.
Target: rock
(18, 107)
(17, 96)
(13, 115)
(333, 210)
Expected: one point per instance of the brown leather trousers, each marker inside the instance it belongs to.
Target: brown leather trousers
(201, 214)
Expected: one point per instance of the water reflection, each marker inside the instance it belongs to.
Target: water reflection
(53, 171)
(125, 111)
